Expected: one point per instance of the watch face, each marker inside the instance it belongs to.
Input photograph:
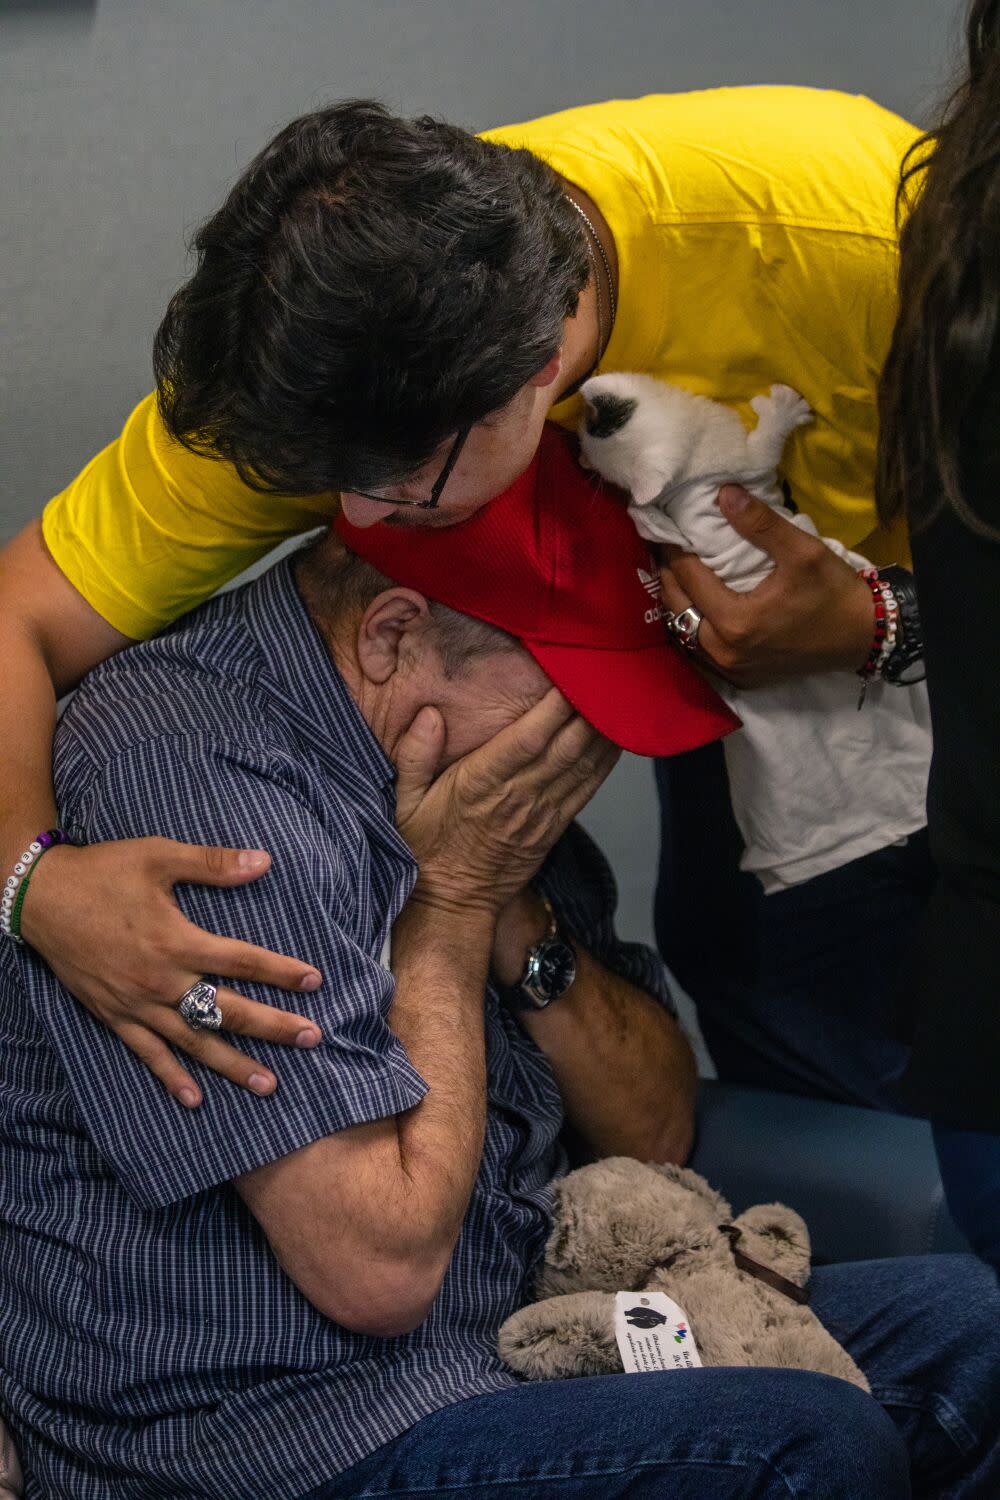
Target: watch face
(551, 970)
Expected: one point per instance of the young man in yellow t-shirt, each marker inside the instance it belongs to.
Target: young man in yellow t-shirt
(372, 285)
(391, 308)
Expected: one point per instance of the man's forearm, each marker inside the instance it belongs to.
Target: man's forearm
(364, 1221)
(624, 1068)
(51, 638)
(407, 1192)
(441, 964)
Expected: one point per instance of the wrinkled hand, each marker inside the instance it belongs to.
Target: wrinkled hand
(812, 613)
(105, 920)
(480, 830)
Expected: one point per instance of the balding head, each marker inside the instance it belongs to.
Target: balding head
(398, 651)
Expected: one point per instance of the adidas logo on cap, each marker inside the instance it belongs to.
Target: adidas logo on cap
(651, 584)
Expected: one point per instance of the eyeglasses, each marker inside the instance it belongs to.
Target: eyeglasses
(439, 483)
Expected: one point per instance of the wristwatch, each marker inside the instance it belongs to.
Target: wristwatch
(549, 971)
(905, 664)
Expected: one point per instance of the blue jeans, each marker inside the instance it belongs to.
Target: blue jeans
(926, 1331)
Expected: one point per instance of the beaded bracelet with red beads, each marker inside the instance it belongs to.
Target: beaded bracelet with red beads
(870, 668)
(891, 625)
(886, 631)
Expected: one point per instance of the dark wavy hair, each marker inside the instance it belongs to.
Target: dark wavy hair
(369, 285)
(939, 397)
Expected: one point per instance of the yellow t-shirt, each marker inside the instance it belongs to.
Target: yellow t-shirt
(756, 243)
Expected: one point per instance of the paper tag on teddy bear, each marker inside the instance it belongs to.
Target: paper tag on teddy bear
(653, 1333)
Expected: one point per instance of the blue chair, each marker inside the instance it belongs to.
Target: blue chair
(866, 1183)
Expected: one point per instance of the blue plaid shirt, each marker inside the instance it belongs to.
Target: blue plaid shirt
(150, 1344)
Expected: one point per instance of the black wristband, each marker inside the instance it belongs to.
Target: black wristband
(904, 666)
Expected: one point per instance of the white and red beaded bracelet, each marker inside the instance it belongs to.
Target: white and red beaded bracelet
(886, 631)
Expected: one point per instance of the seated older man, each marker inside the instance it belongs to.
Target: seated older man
(299, 1295)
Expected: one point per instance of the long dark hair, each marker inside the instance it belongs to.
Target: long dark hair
(939, 397)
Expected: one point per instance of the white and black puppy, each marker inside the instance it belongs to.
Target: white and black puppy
(672, 451)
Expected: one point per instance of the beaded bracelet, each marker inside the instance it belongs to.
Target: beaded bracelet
(12, 899)
(886, 629)
(15, 916)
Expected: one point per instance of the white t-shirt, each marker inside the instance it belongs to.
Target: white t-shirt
(815, 782)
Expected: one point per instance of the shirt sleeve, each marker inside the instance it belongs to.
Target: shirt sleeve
(308, 905)
(148, 530)
(579, 882)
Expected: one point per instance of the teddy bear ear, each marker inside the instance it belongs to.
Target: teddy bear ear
(695, 1184)
(564, 1227)
(776, 1236)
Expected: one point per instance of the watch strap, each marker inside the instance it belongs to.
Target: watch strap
(553, 928)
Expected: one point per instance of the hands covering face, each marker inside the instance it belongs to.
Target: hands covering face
(480, 831)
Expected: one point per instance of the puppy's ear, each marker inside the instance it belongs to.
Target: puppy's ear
(607, 413)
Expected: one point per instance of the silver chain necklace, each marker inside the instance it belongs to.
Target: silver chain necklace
(595, 237)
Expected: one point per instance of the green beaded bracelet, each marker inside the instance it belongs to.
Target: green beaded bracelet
(15, 916)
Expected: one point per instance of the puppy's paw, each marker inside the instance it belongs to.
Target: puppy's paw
(792, 409)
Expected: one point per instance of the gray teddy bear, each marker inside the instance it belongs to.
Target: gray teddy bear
(620, 1225)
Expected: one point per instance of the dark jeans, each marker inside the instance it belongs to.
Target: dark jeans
(801, 991)
(797, 991)
(970, 1171)
(926, 1331)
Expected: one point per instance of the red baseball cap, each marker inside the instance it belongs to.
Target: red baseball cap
(556, 562)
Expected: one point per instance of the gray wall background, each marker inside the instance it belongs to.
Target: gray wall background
(122, 123)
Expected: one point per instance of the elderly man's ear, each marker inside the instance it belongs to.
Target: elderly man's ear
(396, 617)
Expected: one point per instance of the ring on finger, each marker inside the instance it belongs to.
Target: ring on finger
(200, 1008)
(685, 626)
